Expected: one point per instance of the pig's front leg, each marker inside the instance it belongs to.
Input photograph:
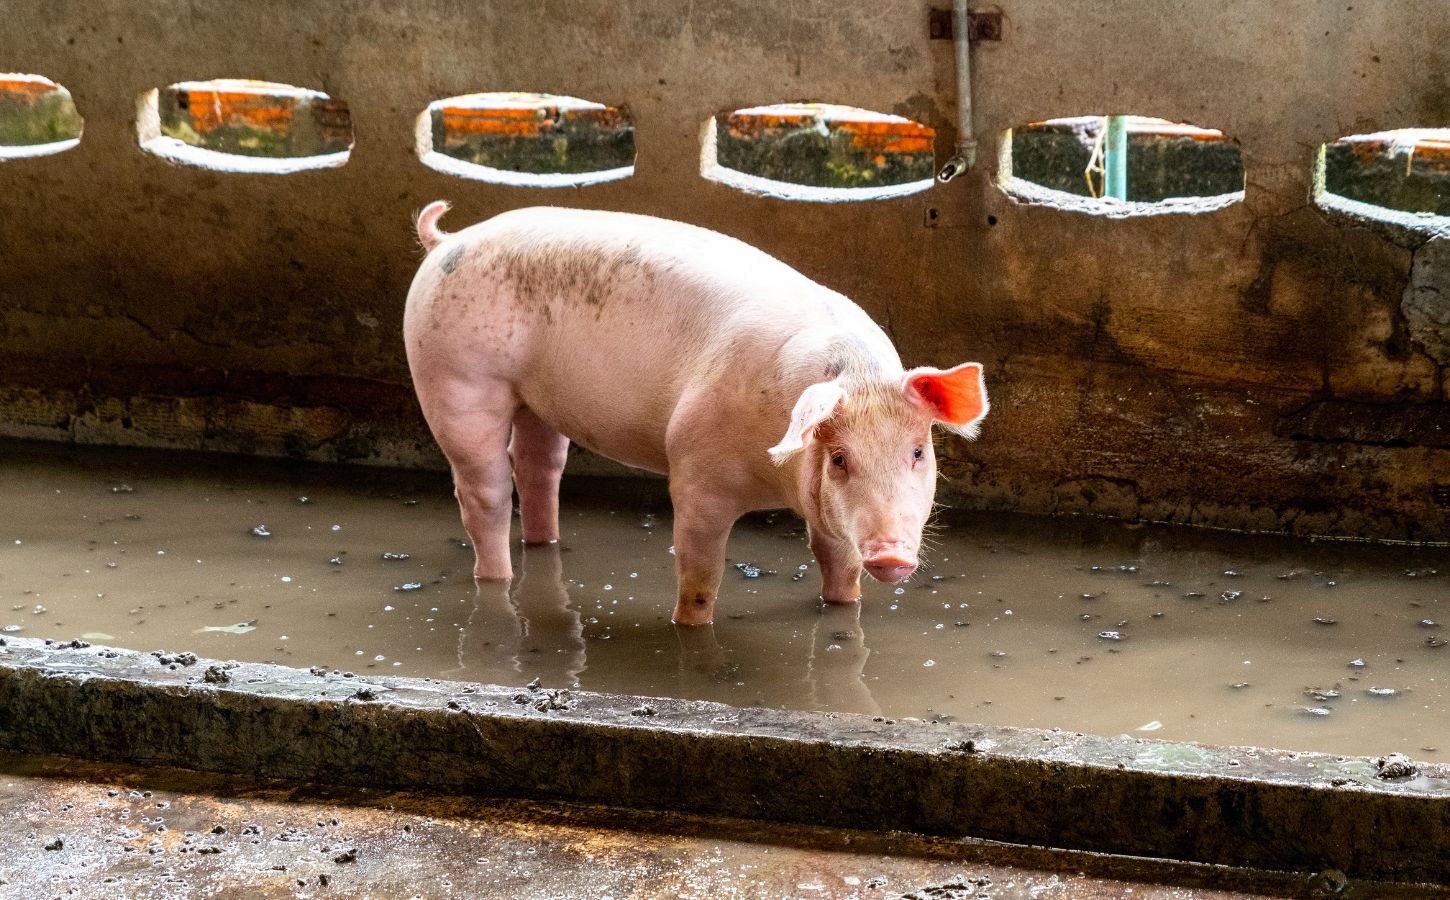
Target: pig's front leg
(702, 526)
(840, 564)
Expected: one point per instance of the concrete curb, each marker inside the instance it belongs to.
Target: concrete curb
(1265, 809)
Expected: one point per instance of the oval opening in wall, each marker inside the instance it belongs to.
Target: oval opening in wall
(240, 125)
(1400, 176)
(527, 140)
(1122, 165)
(37, 117)
(818, 151)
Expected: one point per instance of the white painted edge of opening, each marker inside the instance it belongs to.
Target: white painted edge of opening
(28, 151)
(711, 170)
(1428, 224)
(448, 165)
(1107, 207)
(173, 150)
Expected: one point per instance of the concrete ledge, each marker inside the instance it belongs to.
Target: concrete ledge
(1265, 809)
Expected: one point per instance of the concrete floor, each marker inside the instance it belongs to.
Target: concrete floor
(74, 828)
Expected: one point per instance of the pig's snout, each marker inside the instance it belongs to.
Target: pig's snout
(889, 562)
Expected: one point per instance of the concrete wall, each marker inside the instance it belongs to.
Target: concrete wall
(1251, 367)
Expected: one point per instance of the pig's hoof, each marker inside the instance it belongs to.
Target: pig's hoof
(484, 575)
(841, 600)
(540, 542)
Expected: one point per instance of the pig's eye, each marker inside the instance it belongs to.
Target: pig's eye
(916, 454)
(838, 460)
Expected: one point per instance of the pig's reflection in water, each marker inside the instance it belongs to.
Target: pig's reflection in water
(836, 666)
(529, 630)
(526, 629)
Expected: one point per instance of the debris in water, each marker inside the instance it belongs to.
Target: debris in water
(1321, 620)
(396, 555)
(1435, 641)
(11, 629)
(122, 488)
(410, 586)
(642, 710)
(1317, 710)
(262, 531)
(748, 570)
(1381, 692)
(304, 500)
(1231, 595)
(57, 844)
(1239, 685)
(1110, 635)
(1429, 623)
(239, 628)
(216, 675)
(1357, 663)
(1321, 694)
(1151, 726)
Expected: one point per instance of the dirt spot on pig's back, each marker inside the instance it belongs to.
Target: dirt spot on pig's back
(450, 261)
(594, 279)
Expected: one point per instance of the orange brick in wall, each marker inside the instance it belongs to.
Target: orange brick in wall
(24, 90)
(211, 110)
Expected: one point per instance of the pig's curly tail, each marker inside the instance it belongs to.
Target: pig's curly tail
(428, 232)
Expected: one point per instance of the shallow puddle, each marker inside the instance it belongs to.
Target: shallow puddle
(1084, 625)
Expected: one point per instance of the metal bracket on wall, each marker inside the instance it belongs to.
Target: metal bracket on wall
(982, 26)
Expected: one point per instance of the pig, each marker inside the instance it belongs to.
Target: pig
(674, 349)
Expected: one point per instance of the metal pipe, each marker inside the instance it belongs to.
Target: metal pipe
(966, 148)
(1115, 158)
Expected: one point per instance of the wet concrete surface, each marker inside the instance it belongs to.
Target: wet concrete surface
(1385, 818)
(78, 829)
(1077, 624)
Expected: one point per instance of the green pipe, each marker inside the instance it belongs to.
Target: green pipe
(1115, 159)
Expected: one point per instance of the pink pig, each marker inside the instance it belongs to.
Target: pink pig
(677, 350)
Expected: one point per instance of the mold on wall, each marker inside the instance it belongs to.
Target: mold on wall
(1264, 365)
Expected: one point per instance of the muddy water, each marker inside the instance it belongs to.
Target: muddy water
(1083, 625)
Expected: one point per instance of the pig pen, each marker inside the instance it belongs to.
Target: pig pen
(1261, 699)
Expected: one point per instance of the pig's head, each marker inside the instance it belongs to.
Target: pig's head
(867, 468)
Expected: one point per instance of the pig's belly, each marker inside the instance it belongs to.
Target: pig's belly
(603, 421)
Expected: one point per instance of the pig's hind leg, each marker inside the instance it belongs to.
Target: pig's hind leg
(538, 453)
(474, 435)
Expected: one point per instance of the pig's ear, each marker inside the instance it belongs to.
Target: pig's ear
(816, 404)
(957, 397)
